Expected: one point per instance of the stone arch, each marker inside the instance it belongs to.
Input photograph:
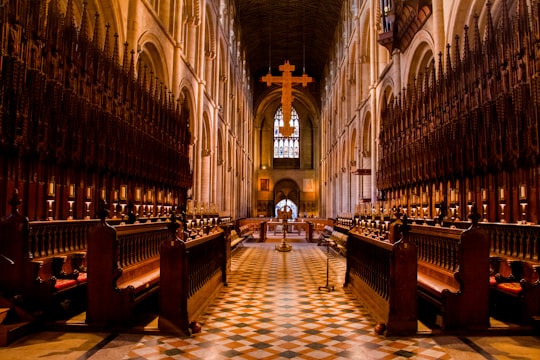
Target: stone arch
(187, 99)
(352, 148)
(364, 55)
(287, 189)
(206, 152)
(420, 57)
(366, 136)
(152, 55)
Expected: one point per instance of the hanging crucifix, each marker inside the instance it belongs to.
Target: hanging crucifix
(286, 81)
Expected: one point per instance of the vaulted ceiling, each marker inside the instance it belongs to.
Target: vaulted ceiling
(300, 31)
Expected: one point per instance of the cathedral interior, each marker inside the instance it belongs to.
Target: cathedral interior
(262, 179)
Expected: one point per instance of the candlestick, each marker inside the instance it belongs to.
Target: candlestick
(523, 213)
(87, 203)
(70, 202)
(50, 209)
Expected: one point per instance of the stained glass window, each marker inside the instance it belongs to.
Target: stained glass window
(286, 147)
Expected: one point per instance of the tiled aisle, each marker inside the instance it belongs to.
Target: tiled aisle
(273, 309)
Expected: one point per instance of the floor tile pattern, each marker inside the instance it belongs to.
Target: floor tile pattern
(272, 308)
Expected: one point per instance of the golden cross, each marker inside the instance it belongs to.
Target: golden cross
(286, 81)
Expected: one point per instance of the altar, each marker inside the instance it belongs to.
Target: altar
(293, 227)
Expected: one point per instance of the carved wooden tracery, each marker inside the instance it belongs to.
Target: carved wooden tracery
(478, 119)
(71, 111)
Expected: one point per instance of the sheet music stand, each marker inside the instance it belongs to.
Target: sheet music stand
(327, 242)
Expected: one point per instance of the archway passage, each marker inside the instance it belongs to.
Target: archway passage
(286, 193)
(287, 207)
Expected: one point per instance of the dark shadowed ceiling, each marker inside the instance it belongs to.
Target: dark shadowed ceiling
(284, 29)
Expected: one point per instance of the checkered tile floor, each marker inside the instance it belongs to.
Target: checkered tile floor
(273, 309)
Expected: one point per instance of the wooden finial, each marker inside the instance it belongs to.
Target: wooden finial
(15, 201)
(474, 215)
(102, 210)
(174, 225)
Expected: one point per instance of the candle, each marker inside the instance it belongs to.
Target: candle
(103, 193)
(138, 194)
(501, 193)
(484, 194)
(469, 195)
(89, 192)
(437, 196)
(71, 190)
(51, 188)
(123, 192)
(115, 195)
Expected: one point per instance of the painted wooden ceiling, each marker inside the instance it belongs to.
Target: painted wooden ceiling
(300, 31)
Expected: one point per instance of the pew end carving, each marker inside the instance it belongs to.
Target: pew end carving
(383, 275)
(123, 270)
(453, 273)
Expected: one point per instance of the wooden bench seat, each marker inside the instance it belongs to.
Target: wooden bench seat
(43, 262)
(143, 278)
(435, 285)
(246, 232)
(453, 273)
(339, 241)
(516, 292)
(123, 269)
(237, 241)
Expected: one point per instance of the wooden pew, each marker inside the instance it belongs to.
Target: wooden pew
(383, 275)
(515, 263)
(339, 241)
(516, 292)
(246, 232)
(453, 273)
(192, 274)
(237, 241)
(123, 269)
(42, 262)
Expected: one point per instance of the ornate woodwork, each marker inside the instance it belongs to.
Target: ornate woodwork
(470, 128)
(77, 123)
